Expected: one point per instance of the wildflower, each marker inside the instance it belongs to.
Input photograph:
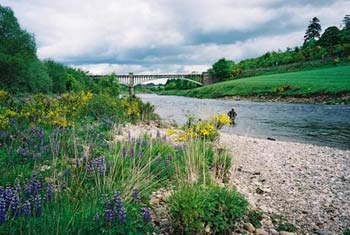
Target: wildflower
(146, 214)
(37, 206)
(132, 152)
(119, 208)
(2, 210)
(136, 195)
(49, 192)
(26, 208)
(122, 216)
(109, 215)
(15, 205)
(170, 132)
(117, 201)
(8, 197)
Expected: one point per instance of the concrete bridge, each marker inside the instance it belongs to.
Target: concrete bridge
(131, 80)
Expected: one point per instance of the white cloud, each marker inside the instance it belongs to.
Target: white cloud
(155, 36)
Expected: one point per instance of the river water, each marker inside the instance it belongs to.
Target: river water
(327, 125)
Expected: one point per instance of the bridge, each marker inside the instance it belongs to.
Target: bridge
(131, 80)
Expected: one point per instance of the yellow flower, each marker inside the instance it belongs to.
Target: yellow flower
(3, 94)
(170, 132)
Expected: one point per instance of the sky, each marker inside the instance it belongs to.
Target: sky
(167, 36)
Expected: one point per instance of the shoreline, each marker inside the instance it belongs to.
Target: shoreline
(343, 99)
(308, 184)
(319, 99)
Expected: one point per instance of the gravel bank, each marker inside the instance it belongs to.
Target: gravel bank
(308, 184)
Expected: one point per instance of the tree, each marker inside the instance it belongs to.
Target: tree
(222, 69)
(331, 36)
(19, 65)
(346, 22)
(313, 31)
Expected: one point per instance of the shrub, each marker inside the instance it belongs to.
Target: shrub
(346, 232)
(255, 218)
(288, 227)
(193, 209)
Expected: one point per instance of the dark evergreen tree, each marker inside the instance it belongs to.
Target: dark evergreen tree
(313, 31)
(346, 22)
(331, 36)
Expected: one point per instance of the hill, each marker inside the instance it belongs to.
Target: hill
(328, 82)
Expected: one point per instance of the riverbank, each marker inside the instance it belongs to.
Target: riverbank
(308, 184)
(326, 85)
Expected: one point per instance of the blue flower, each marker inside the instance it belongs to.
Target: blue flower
(109, 215)
(136, 195)
(2, 209)
(146, 214)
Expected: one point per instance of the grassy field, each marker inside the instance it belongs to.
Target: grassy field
(326, 81)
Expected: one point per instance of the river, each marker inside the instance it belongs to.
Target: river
(326, 125)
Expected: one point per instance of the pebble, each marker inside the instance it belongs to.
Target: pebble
(260, 231)
(249, 227)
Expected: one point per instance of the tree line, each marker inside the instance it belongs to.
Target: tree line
(333, 45)
(22, 71)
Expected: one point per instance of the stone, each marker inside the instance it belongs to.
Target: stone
(273, 231)
(286, 233)
(249, 227)
(154, 201)
(261, 231)
(207, 229)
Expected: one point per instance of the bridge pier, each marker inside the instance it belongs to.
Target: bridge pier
(131, 85)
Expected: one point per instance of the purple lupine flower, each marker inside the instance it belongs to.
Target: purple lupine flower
(2, 191)
(18, 187)
(24, 152)
(37, 206)
(136, 195)
(15, 205)
(132, 152)
(49, 192)
(122, 216)
(146, 214)
(124, 152)
(117, 201)
(77, 163)
(26, 208)
(2, 209)
(109, 215)
(8, 196)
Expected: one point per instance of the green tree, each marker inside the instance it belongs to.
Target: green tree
(346, 22)
(19, 65)
(331, 36)
(222, 69)
(313, 31)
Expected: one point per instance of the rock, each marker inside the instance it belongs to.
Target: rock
(207, 229)
(273, 231)
(286, 233)
(259, 191)
(154, 201)
(260, 231)
(249, 227)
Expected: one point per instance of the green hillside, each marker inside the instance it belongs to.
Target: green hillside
(326, 81)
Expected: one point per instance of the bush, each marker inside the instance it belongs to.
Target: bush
(193, 209)
(288, 227)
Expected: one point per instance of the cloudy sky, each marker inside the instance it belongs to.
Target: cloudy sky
(167, 36)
